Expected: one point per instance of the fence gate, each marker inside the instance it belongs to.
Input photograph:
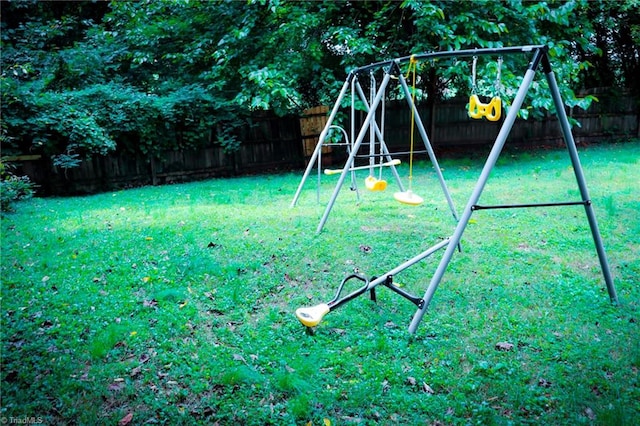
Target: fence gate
(312, 122)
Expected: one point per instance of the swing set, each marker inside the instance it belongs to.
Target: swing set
(377, 145)
(310, 317)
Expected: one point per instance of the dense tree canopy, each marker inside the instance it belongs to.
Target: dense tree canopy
(83, 78)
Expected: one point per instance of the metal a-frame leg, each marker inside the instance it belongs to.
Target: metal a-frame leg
(475, 195)
(490, 163)
(323, 135)
(356, 146)
(427, 145)
(577, 169)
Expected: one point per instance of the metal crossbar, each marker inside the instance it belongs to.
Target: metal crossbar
(520, 206)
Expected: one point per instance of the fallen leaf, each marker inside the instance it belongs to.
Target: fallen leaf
(238, 357)
(115, 387)
(365, 248)
(412, 381)
(135, 371)
(126, 420)
(427, 388)
(504, 346)
(544, 383)
(589, 413)
(150, 303)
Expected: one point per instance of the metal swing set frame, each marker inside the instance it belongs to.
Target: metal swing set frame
(311, 316)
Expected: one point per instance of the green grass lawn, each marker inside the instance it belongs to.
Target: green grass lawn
(175, 304)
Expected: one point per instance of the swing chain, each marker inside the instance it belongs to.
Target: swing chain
(498, 84)
(473, 75)
(372, 92)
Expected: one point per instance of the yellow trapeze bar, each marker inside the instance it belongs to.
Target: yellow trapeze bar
(336, 171)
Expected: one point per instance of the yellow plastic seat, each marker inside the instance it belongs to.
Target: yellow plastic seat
(311, 316)
(491, 110)
(408, 197)
(374, 184)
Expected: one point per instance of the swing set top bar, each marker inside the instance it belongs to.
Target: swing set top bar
(452, 54)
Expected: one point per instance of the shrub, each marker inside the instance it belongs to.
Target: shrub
(13, 188)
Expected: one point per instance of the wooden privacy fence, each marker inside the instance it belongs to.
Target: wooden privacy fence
(268, 143)
(272, 143)
(611, 117)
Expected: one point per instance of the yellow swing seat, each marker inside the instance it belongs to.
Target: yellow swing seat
(311, 316)
(408, 197)
(374, 184)
(491, 110)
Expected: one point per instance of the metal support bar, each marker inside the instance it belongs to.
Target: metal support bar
(356, 147)
(410, 297)
(577, 169)
(453, 54)
(518, 206)
(423, 151)
(323, 136)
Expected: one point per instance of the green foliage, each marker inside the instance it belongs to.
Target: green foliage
(13, 189)
(85, 78)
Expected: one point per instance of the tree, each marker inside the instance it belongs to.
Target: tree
(616, 38)
(88, 78)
